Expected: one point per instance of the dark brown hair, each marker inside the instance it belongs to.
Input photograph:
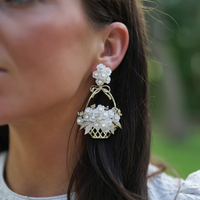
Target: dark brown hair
(116, 168)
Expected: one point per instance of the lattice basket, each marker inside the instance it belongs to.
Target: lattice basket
(99, 134)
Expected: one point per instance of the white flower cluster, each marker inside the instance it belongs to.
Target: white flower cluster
(102, 74)
(99, 118)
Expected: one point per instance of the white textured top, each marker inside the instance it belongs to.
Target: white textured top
(160, 187)
(165, 187)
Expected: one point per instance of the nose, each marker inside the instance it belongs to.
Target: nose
(3, 23)
(7, 21)
(5, 36)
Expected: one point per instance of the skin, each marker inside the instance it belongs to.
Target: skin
(48, 50)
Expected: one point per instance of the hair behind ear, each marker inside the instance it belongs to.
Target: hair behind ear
(116, 168)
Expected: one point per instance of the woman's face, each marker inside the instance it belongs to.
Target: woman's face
(47, 48)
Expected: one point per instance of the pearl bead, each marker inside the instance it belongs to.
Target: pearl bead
(105, 114)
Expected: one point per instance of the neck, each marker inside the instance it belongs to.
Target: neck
(40, 156)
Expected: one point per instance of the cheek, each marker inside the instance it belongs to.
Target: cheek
(53, 48)
(51, 59)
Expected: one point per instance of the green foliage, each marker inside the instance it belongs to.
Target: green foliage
(182, 156)
(186, 42)
(177, 24)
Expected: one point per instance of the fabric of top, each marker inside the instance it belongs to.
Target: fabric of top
(160, 187)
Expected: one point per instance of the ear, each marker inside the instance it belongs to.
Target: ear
(115, 40)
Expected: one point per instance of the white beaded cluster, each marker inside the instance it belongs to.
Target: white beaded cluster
(99, 117)
(102, 74)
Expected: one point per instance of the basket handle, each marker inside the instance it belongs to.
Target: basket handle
(96, 89)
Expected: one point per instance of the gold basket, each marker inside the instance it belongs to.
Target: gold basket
(98, 133)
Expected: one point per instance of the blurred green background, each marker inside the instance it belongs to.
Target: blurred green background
(174, 75)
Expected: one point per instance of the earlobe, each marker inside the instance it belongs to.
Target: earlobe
(116, 40)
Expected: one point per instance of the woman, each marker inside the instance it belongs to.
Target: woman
(48, 51)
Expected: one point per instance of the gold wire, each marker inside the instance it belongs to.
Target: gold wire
(97, 134)
(96, 89)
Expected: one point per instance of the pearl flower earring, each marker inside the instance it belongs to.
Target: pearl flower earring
(100, 121)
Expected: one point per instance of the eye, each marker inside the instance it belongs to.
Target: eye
(18, 2)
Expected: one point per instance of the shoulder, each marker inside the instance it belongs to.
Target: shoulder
(165, 187)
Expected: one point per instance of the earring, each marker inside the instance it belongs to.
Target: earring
(100, 121)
